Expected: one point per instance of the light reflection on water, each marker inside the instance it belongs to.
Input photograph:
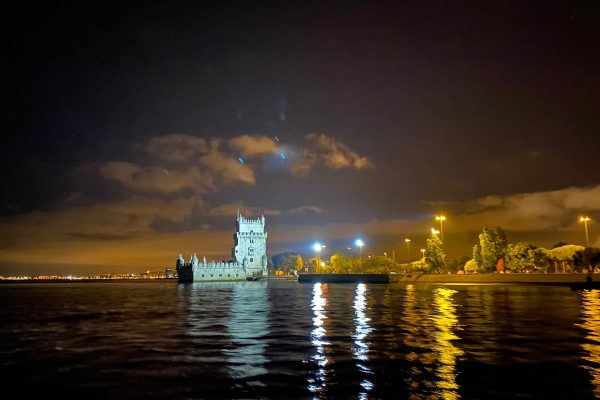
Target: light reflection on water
(362, 330)
(248, 326)
(317, 384)
(445, 321)
(288, 340)
(591, 323)
(417, 328)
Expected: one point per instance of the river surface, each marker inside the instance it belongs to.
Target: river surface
(282, 339)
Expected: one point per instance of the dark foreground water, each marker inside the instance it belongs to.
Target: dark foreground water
(290, 340)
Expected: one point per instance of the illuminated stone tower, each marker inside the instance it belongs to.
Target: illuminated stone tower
(250, 244)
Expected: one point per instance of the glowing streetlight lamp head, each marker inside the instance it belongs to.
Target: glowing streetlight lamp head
(359, 243)
(440, 218)
(584, 219)
(434, 231)
(322, 263)
(407, 240)
(317, 247)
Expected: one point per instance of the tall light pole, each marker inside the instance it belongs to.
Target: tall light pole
(441, 218)
(360, 245)
(317, 247)
(407, 241)
(585, 221)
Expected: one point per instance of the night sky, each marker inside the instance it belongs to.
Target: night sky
(125, 126)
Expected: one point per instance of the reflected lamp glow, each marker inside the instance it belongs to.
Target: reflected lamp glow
(317, 383)
(446, 322)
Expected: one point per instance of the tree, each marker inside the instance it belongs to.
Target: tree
(285, 261)
(343, 264)
(564, 255)
(419, 266)
(588, 258)
(471, 267)
(519, 256)
(379, 265)
(434, 255)
(318, 266)
(477, 254)
(493, 247)
(457, 264)
(299, 263)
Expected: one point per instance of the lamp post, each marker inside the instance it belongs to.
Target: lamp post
(360, 245)
(585, 221)
(423, 252)
(317, 247)
(441, 218)
(407, 241)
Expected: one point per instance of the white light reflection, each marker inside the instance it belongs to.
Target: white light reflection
(248, 325)
(591, 323)
(362, 330)
(317, 338)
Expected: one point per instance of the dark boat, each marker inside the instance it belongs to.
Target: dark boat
(346, 278)
(585, 285)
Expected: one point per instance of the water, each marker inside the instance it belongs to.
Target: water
(289, 340)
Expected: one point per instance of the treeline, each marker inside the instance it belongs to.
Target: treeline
(493, 253)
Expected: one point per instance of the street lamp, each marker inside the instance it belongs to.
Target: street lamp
(317, 247)
(423, 252)
(434, 231)
(441, 218)
(360, 245)
(407, 241)
(585, 221)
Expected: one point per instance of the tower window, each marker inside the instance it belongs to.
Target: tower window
(251, 259)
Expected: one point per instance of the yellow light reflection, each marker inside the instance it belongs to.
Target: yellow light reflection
(362, 330)
(591, 323)
(445, 321)
(417, 327)
(319, 306)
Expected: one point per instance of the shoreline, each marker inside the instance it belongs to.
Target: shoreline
(495, 278)
(447, 279)
(17, 281)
